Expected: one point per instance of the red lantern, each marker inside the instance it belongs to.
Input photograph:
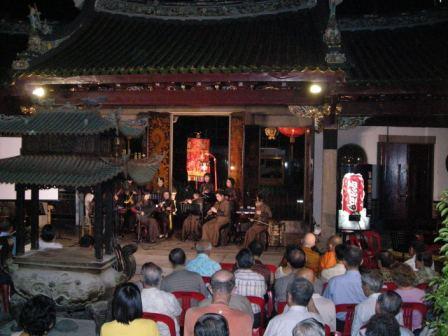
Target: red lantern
(292, 132)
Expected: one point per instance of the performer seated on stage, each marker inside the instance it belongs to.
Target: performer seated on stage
(206, 187)
(231, 194)
(221, 213)
(125, 197)
(160, 189)
(192, 224)
(260, 221)
(145, 211)
(165, 209)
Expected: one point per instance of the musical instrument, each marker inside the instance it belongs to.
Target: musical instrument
(156, 197)
(190, 208)
(246, 211)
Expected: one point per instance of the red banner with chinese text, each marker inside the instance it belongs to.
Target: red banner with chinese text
(197, 160)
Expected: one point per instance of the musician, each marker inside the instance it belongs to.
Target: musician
(126, 197)
(192, 224)
(260, 221)
(161, 188)
(145, 210)
(221, 213)
(207, 187)
(165, 209)
(230, 191)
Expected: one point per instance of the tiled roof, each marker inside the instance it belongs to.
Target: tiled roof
(57, 123)
(58, 170)
(118, 44)
(416, 54)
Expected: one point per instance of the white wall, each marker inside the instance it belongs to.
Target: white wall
(9, 147)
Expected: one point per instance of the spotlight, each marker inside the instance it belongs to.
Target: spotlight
(315, 88)
(39, 92)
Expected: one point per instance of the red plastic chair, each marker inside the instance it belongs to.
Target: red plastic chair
(423, 286)
(387, 286)
(327, 330)
(6, 297)
(349, 309)
(272, 268)
(227, 266)
(260, 303)
(281, 307)
(206, 279)
(185, 298)
(373, 240)
(163, 319)
(409, 308)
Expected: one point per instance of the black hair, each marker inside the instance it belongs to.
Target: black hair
(47, 234)
(425, 258)
(177, 256)
(86, 241)
(383, 325)
(256, 247)
(295, 257)
(353, 256)
(301, 291)
(38, 315)
(161, 178)
(232, 181)
(387, 259)
(127, 303)
(220, 191)
(389, 302)
(207, 174)
(340, 251)
(211, 325)
(244, 259)
(418, 246)
(260, 197)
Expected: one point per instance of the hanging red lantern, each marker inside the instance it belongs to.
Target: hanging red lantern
(292, 132)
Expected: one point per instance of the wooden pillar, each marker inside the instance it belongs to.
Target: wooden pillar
(34, 218)
(109, 225)
(20, 219)
(98, 225)
(236, 150)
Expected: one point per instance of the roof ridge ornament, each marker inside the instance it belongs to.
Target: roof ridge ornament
(332, 37)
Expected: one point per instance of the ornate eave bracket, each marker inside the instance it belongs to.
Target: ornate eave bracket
(315, 112)
(332, 37)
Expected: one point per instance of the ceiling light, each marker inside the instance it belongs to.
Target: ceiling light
(39, 92)
(315, 88)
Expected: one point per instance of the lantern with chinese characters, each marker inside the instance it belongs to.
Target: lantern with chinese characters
(292, 132)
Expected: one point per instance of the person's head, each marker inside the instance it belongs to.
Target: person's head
(372, 282)
(5, 225)
(244, 259)
(38, 315)
(259, 200)
(151, 275)
(177, 257)
(86, 241)
(295, 257)
(382, 325)
(306, 273)
(423, 259)
(416, 247)
(196, 194)
(333, 241)
(127, 303)
(166, 195)
(352, 257)
(388, 303)
(219, 195)
(47, 234)
(386, 259)
(230, 182)
(403, 275)
(222, 285)
(207, 178)
(211, 325)
(256, 247)
(339, 250)
(203, 247)
(309, 240)
(299, 292)
(309, 327)
(160, 181)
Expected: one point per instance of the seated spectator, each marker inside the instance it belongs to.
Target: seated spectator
(390, 303)
(296, 260)
(312, 257)
(203, 264)
(86, 241)
(211, 325)
(284, 268)
(425, 266)
(346, 288)
(127, 313)
(405, 279)
(318, 304)
(222, 284)
(248, 282)
(46, 240)
(158, 301)
(372, 283)
(328, 260)
(257, 249)
(417, 246)
(300, 292)
(386, 261)
(37, 317)
(337, 269)
(382, 325)
(309, 327)
(182, 280)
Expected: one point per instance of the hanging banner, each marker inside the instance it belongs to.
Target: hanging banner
(197, 160)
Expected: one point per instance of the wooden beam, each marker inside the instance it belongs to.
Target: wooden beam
(410, 107)
(34, 218)
(20, 219)
(98, 223)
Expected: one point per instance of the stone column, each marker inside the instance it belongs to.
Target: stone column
(329, 183)
(34, 218)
